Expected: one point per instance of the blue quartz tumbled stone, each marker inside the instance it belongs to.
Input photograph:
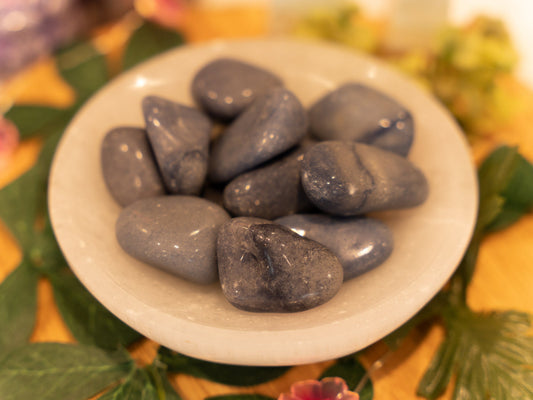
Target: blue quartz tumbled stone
(274, 122)
(265, 267)
(360, 243)
(348, 178)
(269, 192)
(179, 136)
(177, 234)
(225, 87)
(128, 166)
(359, 113)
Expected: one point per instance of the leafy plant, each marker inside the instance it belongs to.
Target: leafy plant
(489, 353)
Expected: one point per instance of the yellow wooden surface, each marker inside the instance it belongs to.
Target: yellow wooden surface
(503, 279)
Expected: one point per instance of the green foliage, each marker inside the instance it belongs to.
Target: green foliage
(150, 383)
(137, 386)
(17, 312)
(84, 68)
(89, 321)
(463, 72)
(54, 371)
(233, 375)
(500, 204)
(148, 41)
(32, 119)
(345, 25)
(23, 201)
(489, 353)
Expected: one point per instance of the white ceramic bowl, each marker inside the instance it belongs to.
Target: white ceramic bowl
(197, 320)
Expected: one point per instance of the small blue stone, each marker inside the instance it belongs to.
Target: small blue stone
(360, 243)
(265, 267)
(359, 113)
(225, 87)
(274, 123)
(128, 166)
(177, 234)
(348, 178)
(179, 136)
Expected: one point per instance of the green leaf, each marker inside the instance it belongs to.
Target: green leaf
(222, 373)
(18, 305)
(89, 321)
(495, 174)
(23, 200)
(240, 397)
(45, 254)
(54, 371)
(490, 354)
(439, 373)
(31, 119)
(505, 194)
(351, 370)
(138, 386)
(148, 41)
(518, 195)
(83, 68)
(164, 388)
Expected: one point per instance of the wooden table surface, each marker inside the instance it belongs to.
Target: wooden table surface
(503, 278)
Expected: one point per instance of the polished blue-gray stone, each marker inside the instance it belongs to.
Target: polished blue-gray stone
(360, 113)
(348, 178)
(128, 165)
(179, 136)
(265, 267)
(269, 192)
(360, 243)
(274, 123)
(226, 86)
(176, 233)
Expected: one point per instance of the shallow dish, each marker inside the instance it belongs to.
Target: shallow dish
(197, 320)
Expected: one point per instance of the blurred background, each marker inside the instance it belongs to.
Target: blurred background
(471, 54)
(30, 28)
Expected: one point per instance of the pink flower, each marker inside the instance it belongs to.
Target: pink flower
(169, 13)
(326, 389)
(8, 140)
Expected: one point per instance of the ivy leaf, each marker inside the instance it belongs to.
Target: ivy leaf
(23, 200)
(84, 68)
(518, 194)
(505, 194)
(32, 119)
(89, 321)
(147, 41)
(165, 389)
(351, 370)
(18, 305)
(138, 386)
(45, 254)
(150, 383)
(490, 355)
(233, 375)
(55, 371)
(240, 397)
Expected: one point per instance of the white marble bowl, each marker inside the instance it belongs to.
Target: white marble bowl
(197, 320)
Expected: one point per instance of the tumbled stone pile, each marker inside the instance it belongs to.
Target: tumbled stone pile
(273, 206)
